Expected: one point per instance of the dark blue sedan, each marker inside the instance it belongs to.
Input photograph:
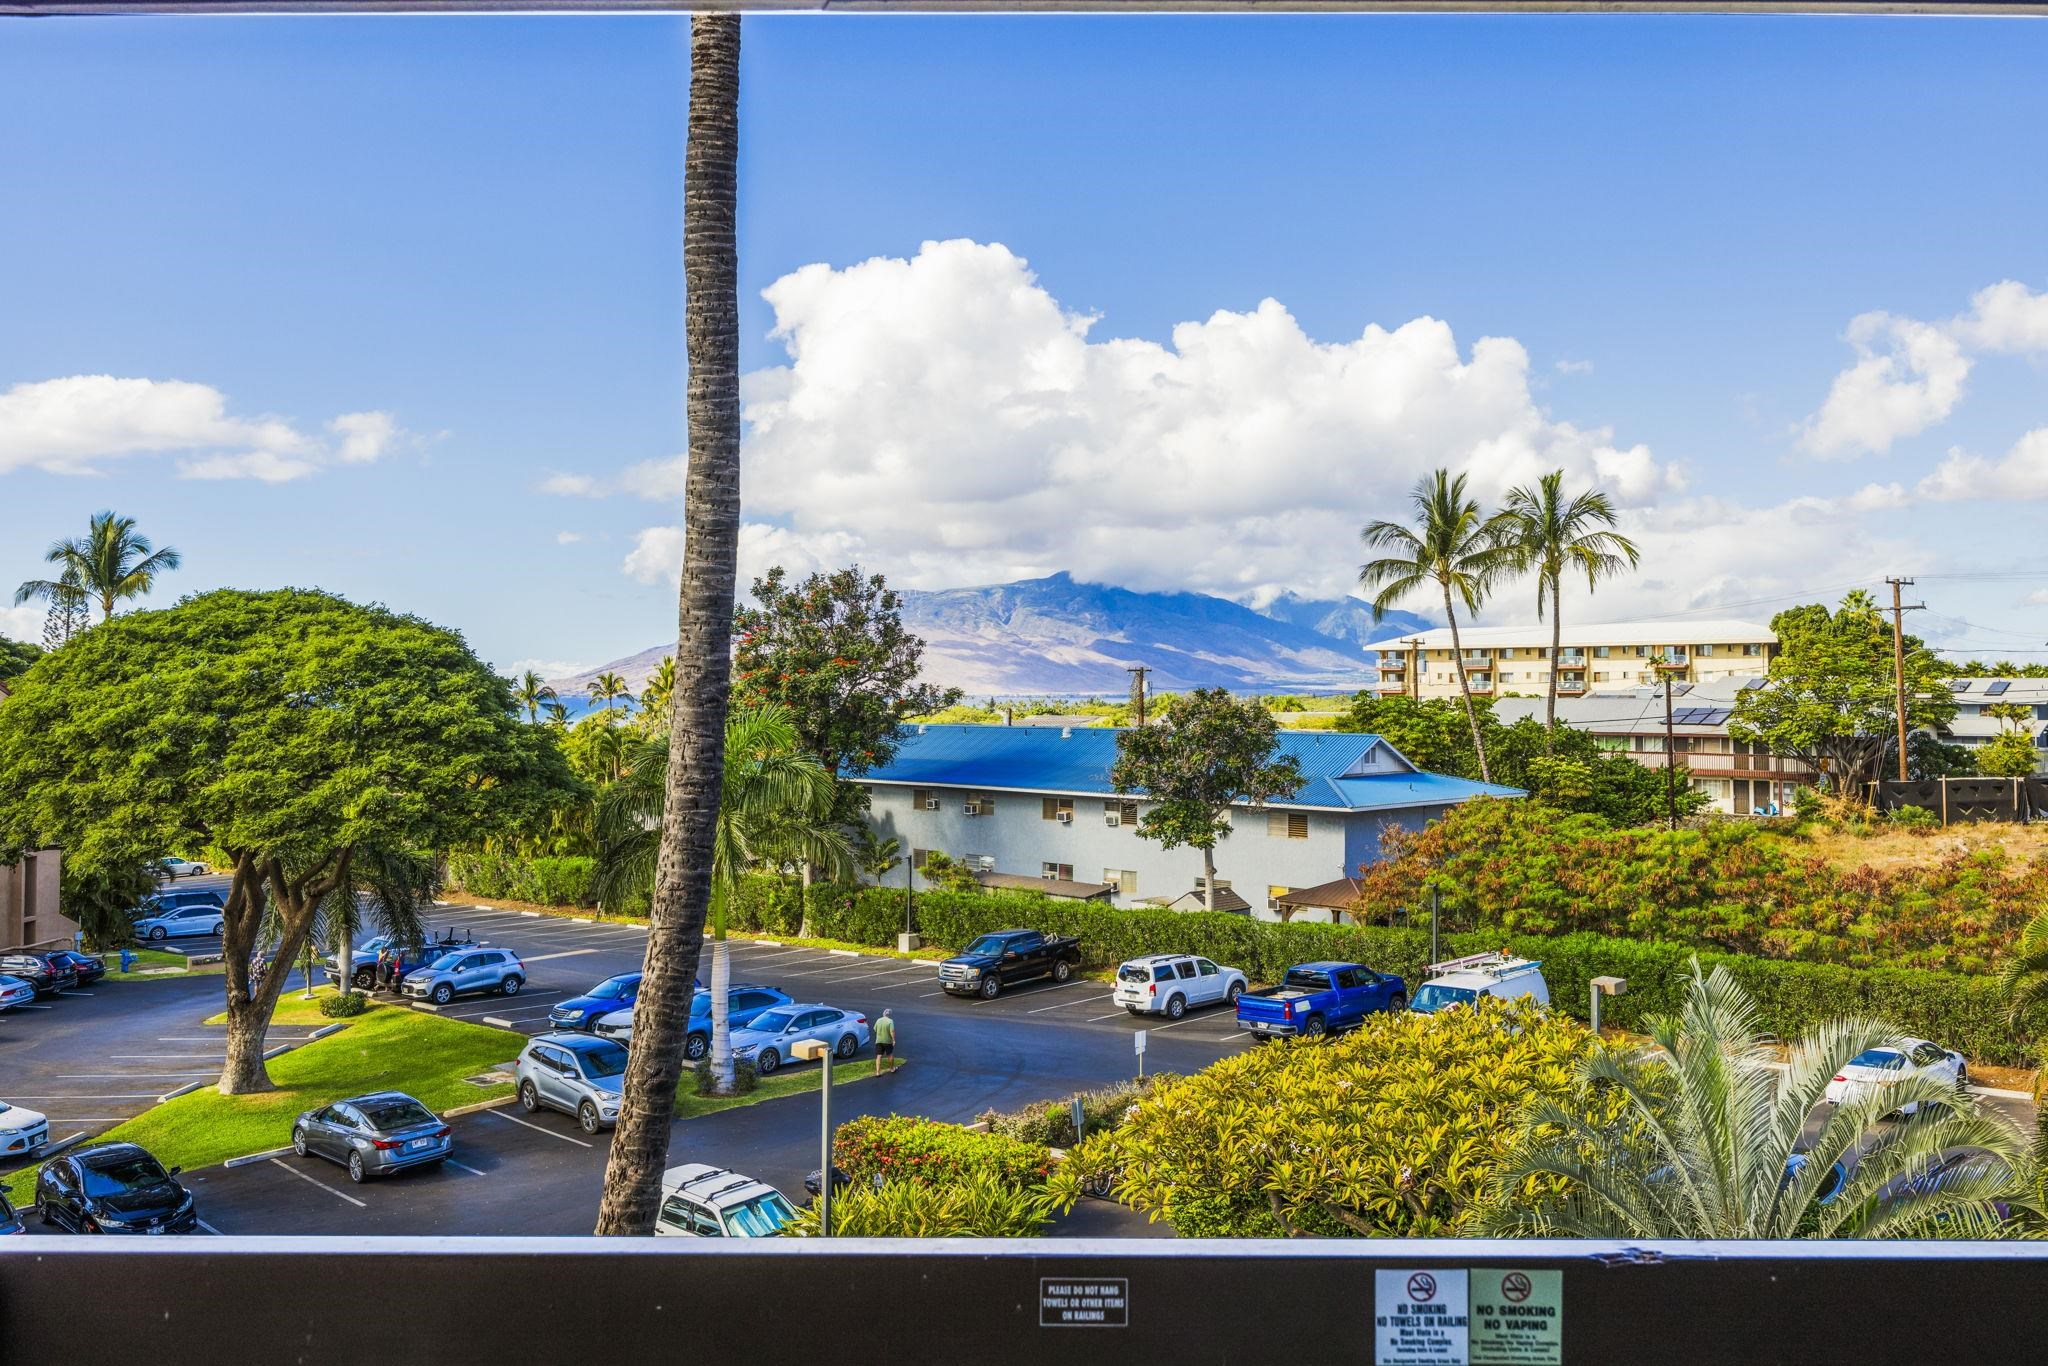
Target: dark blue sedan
(613, 993)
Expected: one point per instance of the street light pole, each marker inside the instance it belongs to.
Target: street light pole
(818, 1049)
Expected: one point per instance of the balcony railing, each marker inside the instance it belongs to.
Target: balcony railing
(1724, 764)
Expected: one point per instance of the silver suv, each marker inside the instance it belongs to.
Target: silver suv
(464, 971)
(574, 1073)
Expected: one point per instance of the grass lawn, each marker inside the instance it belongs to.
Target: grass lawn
(385, 1048)
(154, 965)
(795, 1082)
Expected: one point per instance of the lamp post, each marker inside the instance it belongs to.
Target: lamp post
(818, 1049)
(1605, 986)
(908, 942)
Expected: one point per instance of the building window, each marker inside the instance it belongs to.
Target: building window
(1600, 651)
(1125, 880)
(1508, 652)
(1051, 808)
(924, 799)
(918, 856)
(1599, 678)
(1507, 677)
(1062, 872)
(981, 863)
(1703, 649)
(1287, 825)
(1273, 895)
(1119, 813)
(1752, 650)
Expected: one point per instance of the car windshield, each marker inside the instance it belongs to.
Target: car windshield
(119, 1175)
(988, 944)
(1879, 1057)
(607, 1061)
(1306, 981)
(772, 1021)
(1434, 997)
(613, 989)
(761, 1217)
(1134, 972)
(386, 1115)
(448, 960)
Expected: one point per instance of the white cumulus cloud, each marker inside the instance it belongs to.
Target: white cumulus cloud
(23, 623)
(364, 436)
(657, 553)
(2021, 475)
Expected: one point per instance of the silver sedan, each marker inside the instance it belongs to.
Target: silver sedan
(771, 1039)
(373, 1135)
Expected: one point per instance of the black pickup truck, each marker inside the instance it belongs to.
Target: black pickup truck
(1006, 957)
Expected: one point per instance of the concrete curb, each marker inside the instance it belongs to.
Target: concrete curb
(187, 1089)
(427, 1006)
(324, 1030)
(850, 953)
(499, 1022)
(255, 1157)
(270, 1053)
(51, 1150)
(204, 958)
(461, 1110)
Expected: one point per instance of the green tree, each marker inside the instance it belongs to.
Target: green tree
(1393, 1130)
(68, 614)
(1711, 1141)
(608, 689)
(392, 889)
(1212, 752)
(111, 563)
(1830, 699)
(833, 649)
(774, 807)
(1554, 535)
(1452, 545)
(16, 656)
(2011, 753)
(103, 899)
(1431, 731)
(289, 730)
(530, 693)
(2024, 974)
(658, 693)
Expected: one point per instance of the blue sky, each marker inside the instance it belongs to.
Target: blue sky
(459, 237)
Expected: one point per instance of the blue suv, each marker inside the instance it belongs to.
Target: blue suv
(611, 995)
(743, 1001)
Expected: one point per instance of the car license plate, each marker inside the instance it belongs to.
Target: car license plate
(418, 1143)
(156, 1228)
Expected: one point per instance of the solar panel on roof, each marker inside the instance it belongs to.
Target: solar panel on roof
(1959, 684)
(1995, 687)
(1718, 716)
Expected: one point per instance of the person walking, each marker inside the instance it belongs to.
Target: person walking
(380, 976)
(885, 1044)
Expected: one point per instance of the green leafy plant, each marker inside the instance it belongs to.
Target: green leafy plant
(899, 1148)
(344, 1005)
(1051, 1125)
(744, 1078)
(976, 1205)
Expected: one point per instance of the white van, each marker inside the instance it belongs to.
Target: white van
(1461, 981)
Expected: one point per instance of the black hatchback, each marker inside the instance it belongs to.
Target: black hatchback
(46, 972)
(89, 968)
(113, 1188)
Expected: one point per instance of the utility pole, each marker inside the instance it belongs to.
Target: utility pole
(1414, 669)
(1137, 673)
(1899, 610)
(1670, 749)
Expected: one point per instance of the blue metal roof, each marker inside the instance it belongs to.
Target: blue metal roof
(1043, 759)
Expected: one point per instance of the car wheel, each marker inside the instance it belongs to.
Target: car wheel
(1314, 1027)
(442, 994)
(215, 931)
(1176, 1006)
(357, 1172)
(1062, 971)
(1397, 1002)
(510, 987)
(158, 932)
(848, 1046)
(1236, 990)
(695, 1047)
(586, 1115)
(991, 987)
(529, 1099)
(299, 1141)
(365, 979)
(199, 870)
(767, 1062)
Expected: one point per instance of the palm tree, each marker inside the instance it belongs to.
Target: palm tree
(597, 750)
(775, 807)
(558, 715)
(1455, 547)
(530, 693)
(658, 692)
(394, 887)
(606, 689)
(1700, 1135)
(1550, 533)
(2024, 977)
(110, 563)
(711, 527)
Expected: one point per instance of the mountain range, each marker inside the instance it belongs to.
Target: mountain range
(1056, 636)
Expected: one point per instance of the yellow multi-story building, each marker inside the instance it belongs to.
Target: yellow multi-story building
(1500, 660)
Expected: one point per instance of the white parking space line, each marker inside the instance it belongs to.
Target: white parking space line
(1093, 1018)
(548, 957)
(282, 1165)
(528, 1124)
(119, 1095)
(1083, 1001)
(134, 1076)
(208, 1227)
(462, 1167)
(906, 982)
(1234, 1038)
(162, 1057)
(74, 993)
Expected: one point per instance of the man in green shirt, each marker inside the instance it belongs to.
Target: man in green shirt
(885, 1044)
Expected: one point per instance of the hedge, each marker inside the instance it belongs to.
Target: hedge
(1963, 1012)
(565, 881)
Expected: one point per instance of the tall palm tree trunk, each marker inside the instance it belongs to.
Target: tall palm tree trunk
(711, 507)
(1556, 644)
(1465, 686)
(721, 1007)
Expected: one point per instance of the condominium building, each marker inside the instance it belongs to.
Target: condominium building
(29, 914)
(1502, 660)
(1974, 723)
(1034, 807)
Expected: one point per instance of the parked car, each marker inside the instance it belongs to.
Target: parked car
(702, 1201)
(1461, 981)
(15, 991)
(1314, 999)
(113, 1188)
(174, 868)
(173, 915)
(1879, 1067)
(45, 972)
(574, 1073)
(743, 1002)
(89, 968)
(464, 973)
(1006, 957)
(364, 955)
(23, 1132)
(10, 1219)
(1172, 984)
(373, 1135)
(607, 997)
(771, 1038)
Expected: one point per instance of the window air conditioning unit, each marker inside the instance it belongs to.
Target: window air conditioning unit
(1112, 820)
(972, 808)
(931, 803)
(1064, 817)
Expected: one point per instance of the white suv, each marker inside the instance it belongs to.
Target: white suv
(1461, 981)
(699, 1200)
(1171, 984)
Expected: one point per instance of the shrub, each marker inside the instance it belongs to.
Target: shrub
(1394, 1130)
(1051, 1125)
(744, 1077)
(569, 880)
(1915, 818)
(900, 1148)
(343, 1005)
(978, 1205)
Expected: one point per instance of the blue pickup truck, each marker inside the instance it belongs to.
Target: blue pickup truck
(1319, 998)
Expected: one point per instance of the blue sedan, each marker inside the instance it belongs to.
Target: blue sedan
(608, 997)
(743, 1001)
